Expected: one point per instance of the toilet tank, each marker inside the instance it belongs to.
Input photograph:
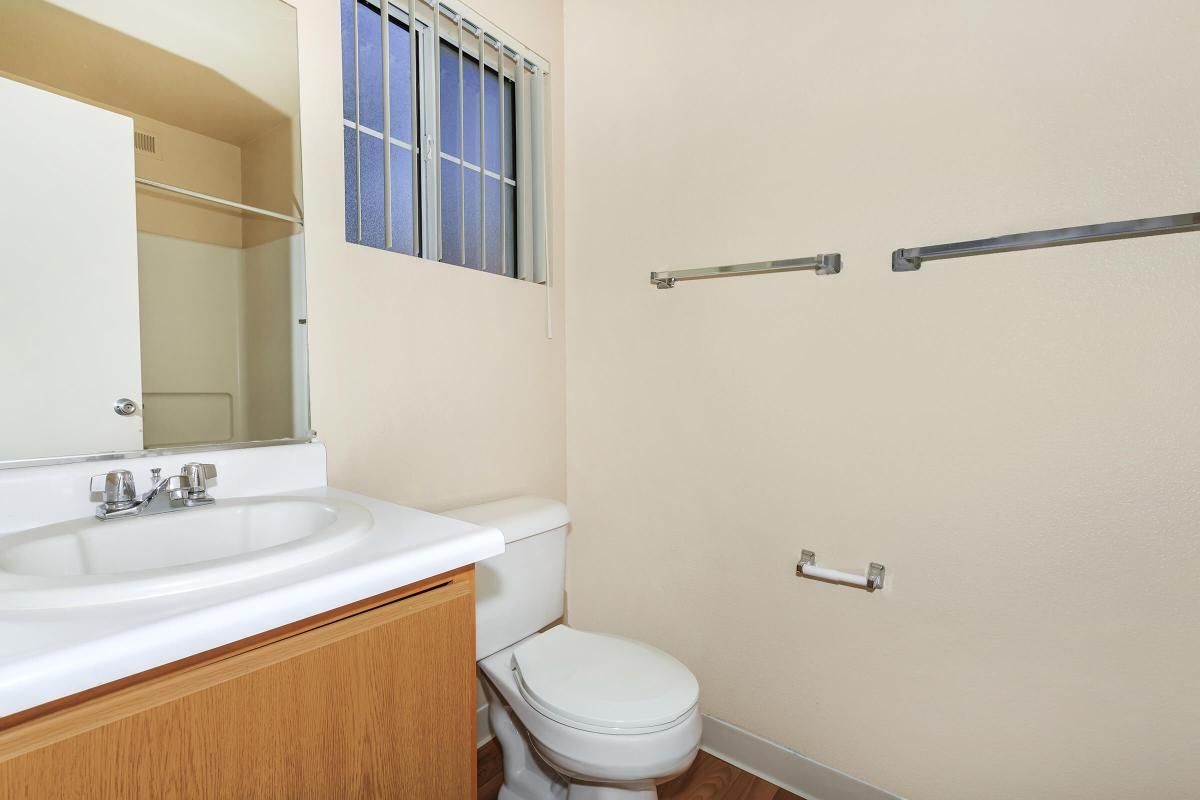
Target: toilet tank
(520, 591)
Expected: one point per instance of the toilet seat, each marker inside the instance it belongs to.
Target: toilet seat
(601, 683)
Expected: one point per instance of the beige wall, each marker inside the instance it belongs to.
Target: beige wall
(1015, 437)
(431, 385)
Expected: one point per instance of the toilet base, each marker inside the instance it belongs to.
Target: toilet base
(592, 791)
(586, 791)
(528, 777)
(525, 776)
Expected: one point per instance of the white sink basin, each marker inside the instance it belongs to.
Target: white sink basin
(87, 562)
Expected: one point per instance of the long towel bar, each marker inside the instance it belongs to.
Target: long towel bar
(910, 258)
(826, 264)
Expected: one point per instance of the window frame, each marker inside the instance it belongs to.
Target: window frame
(495, 56)
(421, 228)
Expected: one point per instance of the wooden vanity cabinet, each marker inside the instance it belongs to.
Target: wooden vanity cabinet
(375, 700)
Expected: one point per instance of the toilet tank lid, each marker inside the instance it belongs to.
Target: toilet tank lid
(515, 517)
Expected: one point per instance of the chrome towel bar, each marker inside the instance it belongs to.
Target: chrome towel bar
(807, 567)
(910, 258)
(825, 264)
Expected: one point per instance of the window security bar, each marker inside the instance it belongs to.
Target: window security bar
(825, 264)
(477, 30)
(910, 259)
(208, 198)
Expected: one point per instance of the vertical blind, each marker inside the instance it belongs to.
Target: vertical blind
(445, 145)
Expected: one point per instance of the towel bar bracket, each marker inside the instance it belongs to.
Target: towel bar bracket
(874, 576)
(807, 559)
(905, 263)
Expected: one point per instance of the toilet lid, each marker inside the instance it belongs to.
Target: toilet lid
(601, 681)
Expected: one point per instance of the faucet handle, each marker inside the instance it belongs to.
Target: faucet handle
(197, 476)
(119, 491)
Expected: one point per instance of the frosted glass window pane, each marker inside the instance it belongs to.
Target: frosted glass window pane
(449, 100)
(370, 69)
(471, 111)
(492, 110)
(474, 258)
(351, 164)
(451, 227)
(492, 209)
(510, 211)
(371, 199)
(402, 201)
(399, 84)
(365, 189)
(468, 148)
(348, 59)
(510, 130)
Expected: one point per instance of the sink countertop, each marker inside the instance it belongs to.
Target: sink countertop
(46, 654)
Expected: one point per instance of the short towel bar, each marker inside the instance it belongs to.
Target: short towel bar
(807, 567)
(824, 264)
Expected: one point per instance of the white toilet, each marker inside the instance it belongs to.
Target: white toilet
(579, 715)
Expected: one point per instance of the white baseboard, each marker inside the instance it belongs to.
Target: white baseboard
(783, 767)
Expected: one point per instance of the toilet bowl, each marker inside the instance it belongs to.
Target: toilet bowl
(579, 715)
(584, 715)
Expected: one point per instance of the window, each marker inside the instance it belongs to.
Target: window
(476, 102)
(379, 211)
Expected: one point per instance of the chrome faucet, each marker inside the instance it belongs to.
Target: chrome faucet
(188, 489)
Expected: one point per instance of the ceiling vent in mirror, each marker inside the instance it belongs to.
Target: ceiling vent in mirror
(146, 144)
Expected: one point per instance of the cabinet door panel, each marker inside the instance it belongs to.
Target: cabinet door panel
(353, 709)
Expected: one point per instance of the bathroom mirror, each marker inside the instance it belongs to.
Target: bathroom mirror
(151, 248)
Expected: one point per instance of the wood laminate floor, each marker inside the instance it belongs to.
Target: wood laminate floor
(709, 778)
